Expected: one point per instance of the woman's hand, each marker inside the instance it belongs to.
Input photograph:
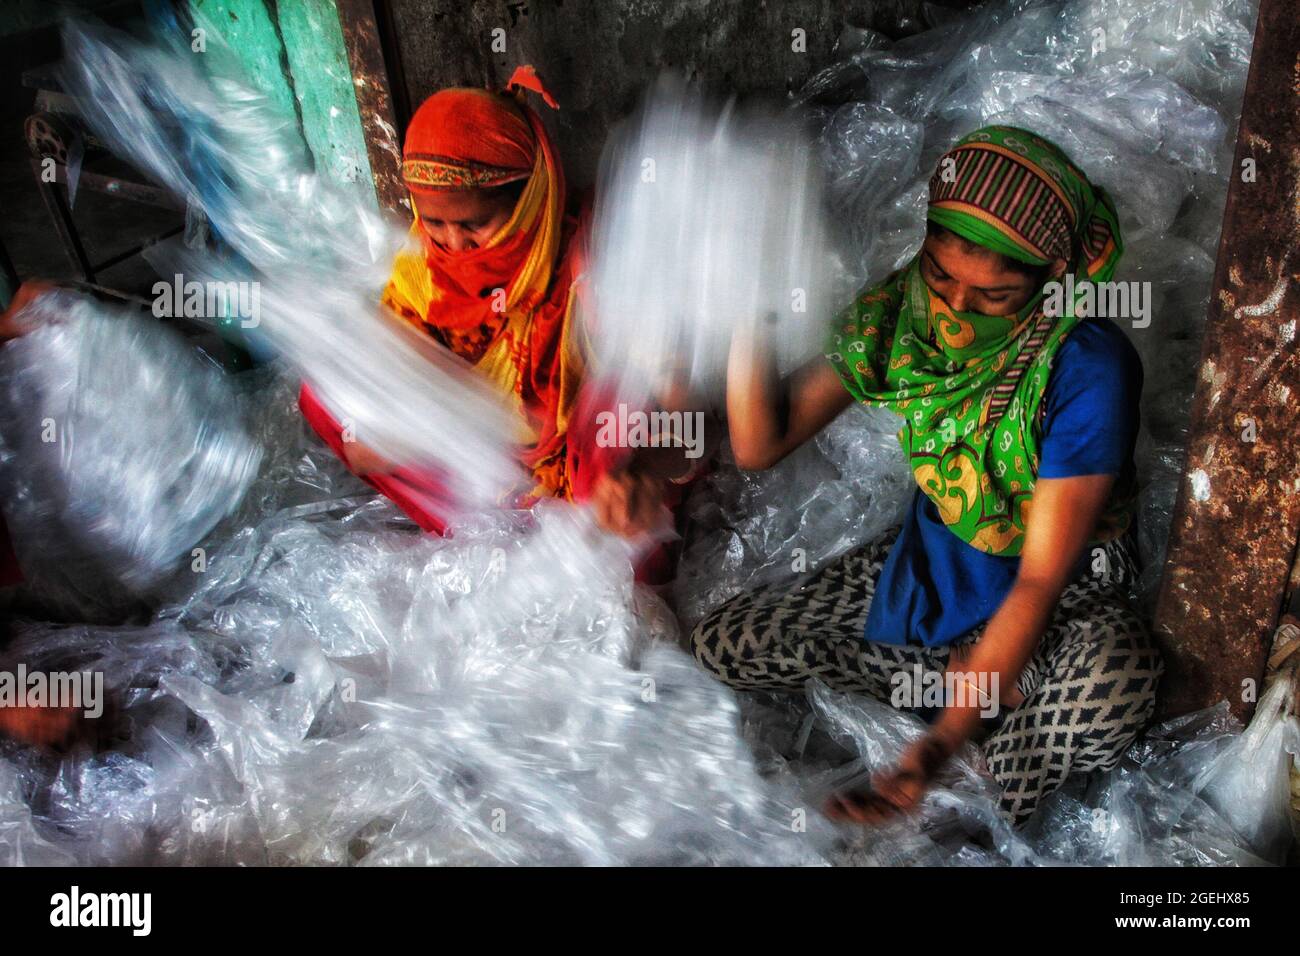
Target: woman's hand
(28, 292)
(896, 790)
(40, 726)
(629, 502)
(363, 460)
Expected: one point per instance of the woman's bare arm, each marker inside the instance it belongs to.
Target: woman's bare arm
(28, 292)
(1064, 513)
(767, 416)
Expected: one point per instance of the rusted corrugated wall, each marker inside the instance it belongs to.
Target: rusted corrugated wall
(1237, 519)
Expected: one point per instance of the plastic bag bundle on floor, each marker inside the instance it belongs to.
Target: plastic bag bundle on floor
(120, 448)
(1157, 807)
(1250, 784)
(369, 694)
(20, 843)
(313, 255)
(708, 219)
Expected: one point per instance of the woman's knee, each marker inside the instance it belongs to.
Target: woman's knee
(715, 645)
(1109, 642)
(1125, 652)
(1114, 685)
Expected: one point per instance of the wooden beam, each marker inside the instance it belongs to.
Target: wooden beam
(1237, 517)
(374, 102)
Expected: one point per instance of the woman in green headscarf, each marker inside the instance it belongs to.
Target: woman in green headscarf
(998, 607)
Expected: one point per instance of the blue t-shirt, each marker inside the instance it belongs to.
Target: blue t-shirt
(935, 587)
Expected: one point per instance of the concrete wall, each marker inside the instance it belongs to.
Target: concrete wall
(597, 55)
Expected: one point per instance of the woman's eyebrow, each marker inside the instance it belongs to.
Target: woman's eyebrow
(934, 265)
(1000, 288)
(465, 223)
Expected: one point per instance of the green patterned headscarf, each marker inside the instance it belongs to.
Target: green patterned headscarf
(970, 386)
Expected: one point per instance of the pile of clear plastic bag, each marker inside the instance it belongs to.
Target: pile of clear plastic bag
(338, 688)
(335, 687)
(332, 686)
(110, 471)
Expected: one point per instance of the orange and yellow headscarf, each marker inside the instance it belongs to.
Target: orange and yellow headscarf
(506, 306)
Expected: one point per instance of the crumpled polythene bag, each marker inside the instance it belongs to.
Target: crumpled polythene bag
(120, 448)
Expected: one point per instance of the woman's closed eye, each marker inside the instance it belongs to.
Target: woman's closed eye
(467, 225)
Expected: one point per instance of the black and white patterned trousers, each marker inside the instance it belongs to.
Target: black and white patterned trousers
(1089, 687)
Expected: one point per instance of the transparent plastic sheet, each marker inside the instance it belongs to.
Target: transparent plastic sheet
(20, 843)
(366, 694)
(750, 529)
(1250, 784)
(316, 254)
(708, 217)
(111, 471)
(336, 688)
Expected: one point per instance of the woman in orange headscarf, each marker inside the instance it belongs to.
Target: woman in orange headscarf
(495, 279)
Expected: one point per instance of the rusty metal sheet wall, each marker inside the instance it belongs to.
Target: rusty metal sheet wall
(1237, 519)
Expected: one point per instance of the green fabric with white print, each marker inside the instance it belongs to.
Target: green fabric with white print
(971, 386)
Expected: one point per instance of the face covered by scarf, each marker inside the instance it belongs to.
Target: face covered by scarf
(970, 386)
(504, 306)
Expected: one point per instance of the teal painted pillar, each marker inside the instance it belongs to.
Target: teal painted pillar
(252, 34)
(292, 50)
(322, 81)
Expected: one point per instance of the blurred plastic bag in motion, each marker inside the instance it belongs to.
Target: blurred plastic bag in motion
(709, 218)
(317, 252)
(120, 448)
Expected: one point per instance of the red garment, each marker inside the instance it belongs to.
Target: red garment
(423, 496)
(426, 500)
